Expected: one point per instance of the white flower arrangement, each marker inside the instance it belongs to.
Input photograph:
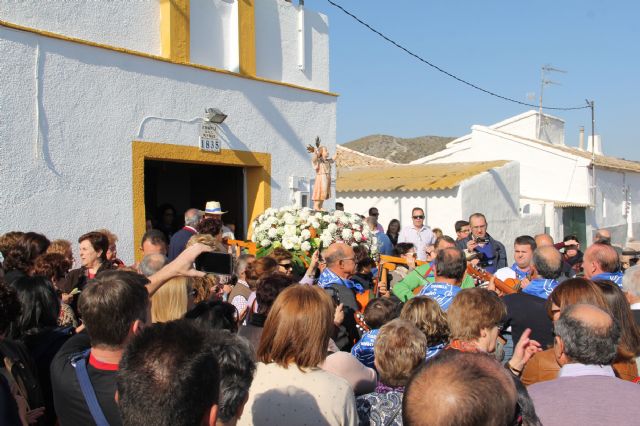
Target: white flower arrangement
(302, 231)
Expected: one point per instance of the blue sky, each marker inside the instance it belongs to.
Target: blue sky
(498, 45)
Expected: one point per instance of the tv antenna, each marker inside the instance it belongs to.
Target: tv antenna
(545, 82)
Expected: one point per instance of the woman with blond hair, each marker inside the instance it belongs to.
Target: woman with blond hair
(426, 314)
(289, 387)
(172, 300)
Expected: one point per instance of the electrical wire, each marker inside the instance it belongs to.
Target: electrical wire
(421, 59)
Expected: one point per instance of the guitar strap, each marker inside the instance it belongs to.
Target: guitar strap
(426, 274)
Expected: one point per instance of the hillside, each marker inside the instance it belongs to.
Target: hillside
(398, 150)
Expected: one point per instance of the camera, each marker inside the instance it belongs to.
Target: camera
(481, 240)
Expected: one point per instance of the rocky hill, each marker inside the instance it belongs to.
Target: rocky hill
(399, 150)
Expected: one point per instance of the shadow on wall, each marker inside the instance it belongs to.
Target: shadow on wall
(504, 191)
(313, 23)
(42, 142)
(267, 36)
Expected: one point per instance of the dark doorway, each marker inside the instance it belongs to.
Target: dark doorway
(186, 185)
(574, 223)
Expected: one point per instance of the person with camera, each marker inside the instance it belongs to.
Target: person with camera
(490, 252)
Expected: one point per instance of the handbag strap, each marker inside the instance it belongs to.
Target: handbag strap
(79, 363)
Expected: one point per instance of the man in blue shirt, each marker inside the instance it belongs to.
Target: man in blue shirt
(451, 265)
(601, 262)
(384, 243)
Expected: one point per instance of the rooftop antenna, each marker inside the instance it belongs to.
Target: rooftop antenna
(545, 82)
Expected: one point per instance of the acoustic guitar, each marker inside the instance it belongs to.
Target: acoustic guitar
(508, 286)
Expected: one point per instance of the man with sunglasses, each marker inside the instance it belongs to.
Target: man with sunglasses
(373, 212)
(417, 233)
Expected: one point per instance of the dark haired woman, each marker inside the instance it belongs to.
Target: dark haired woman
(393, 230)
(37, 327)
(21, 255)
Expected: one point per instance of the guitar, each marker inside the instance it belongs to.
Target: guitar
(508, 286)
(360, 322)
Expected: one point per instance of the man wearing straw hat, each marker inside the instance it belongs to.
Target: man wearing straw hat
(214, 209)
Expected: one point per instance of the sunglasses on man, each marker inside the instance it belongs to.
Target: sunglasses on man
(419, 217)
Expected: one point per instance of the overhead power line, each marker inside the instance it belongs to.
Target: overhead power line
(447, 73)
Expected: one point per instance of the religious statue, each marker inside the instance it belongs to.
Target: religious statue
(322, 165)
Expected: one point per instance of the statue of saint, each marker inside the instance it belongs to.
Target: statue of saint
(322, 165)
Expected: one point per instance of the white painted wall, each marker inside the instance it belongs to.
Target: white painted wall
(496, 195)
(91, 103)
(526, 125)
(610, 198)
(545, 174)
(123, 23)
(277, 44)
(214, 33)
(440, 206)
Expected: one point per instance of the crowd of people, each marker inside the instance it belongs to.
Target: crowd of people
(344, 342)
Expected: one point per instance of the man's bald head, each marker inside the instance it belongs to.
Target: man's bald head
(599, 258)
(548, 262)
(340, 259)
(462, 388)
(543, 240)
(588, 334)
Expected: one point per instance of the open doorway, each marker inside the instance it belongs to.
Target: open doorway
(185, 185)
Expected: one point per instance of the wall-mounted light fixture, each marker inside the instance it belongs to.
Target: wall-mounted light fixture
(214, 115)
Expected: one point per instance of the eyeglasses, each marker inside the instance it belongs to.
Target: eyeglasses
(375, 214)
(348, 258)
(419, 217)
(286, 265)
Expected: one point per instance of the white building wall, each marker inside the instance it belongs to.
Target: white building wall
(440, 206)
(610, 203)
(124, 23)
(544, 175)
(277, 44)
(526, 125)
(213, 34)
(92, 104)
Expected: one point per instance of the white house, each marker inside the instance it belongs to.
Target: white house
(554, 179)
(102, 106)
(446, 192)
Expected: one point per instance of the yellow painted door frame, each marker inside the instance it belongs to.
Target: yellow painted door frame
(257, 177)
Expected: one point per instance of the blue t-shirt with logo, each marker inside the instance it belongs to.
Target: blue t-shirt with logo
(442, 293)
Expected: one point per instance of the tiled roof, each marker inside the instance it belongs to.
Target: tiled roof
(410, 177)
(348, 158)
(603, 161)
